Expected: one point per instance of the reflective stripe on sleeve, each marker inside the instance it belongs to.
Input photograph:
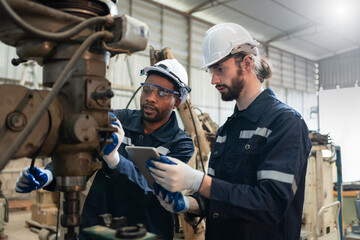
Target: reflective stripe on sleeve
(221, 139)
(162, 150)
(247, 134)
(211, 171)
(278, 176)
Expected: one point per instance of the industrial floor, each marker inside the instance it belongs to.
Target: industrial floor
(16, 228)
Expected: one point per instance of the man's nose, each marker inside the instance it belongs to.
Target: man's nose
(151, 96)
(215, 79)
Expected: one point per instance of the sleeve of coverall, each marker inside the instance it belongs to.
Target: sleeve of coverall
(182, 150)
(284, 160)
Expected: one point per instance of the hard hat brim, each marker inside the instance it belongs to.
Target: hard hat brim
(163, 71)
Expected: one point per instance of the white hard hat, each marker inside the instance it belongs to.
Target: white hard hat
(223, 39)
(177, 73)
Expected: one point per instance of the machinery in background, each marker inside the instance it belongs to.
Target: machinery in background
(72, 41)
(321, 212)
(356, 227)
(112, 228)
(4, 214)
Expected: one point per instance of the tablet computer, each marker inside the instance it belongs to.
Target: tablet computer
(139, 155)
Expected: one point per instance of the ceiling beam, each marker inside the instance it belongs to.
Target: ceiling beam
(291, 32)
(199, 7)
(188, 15)
(213, 3)
(253, 18)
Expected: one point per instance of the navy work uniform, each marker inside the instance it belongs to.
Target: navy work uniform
(124, 190)
(258, 167)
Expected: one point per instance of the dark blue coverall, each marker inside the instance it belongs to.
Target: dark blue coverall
(258, 167)
(124, 190)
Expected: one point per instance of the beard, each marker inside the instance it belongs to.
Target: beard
(157, 117)
(237, 85)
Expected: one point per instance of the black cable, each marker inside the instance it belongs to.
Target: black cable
(50, 97)
(197, 136)
(18, 21)
(132, 97)
(58, 217)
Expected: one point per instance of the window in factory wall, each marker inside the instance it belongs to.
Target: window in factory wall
(339, 112)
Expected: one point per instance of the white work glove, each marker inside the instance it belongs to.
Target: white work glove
(172, 201)
(111, 155)
(29, 181)
(174, 175)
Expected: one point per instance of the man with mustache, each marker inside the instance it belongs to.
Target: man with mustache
(256, 176)
(119, 188)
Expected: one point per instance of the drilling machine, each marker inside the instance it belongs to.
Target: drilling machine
(72, 41)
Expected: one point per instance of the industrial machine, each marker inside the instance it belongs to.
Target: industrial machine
(356, 227)
(72, 41)
(4, 214)
(321, 212)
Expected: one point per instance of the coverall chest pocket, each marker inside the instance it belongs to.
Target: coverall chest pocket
(248, 161)
(216, 159)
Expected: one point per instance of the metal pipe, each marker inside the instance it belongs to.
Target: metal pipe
(339, 188)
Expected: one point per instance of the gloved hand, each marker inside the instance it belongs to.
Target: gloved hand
(176, 175)
(172, 201)
(29, 181)
(111, 155)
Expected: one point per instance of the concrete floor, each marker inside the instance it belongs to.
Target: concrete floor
(16, 228)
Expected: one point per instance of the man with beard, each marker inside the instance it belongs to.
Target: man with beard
(119, 188)
(256, 176)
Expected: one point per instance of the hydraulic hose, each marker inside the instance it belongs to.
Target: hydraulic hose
(58, 36)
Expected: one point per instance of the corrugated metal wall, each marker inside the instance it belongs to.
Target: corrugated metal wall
(340, 71)
(293, 81)
(26, 73)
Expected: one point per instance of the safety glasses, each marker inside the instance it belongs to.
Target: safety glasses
(160, 92)
(217, 68)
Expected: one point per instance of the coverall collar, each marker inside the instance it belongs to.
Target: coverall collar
(255, 109)
(164, 134)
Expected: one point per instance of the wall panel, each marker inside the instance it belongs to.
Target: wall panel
(341, 70)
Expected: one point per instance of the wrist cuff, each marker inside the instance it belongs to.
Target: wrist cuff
(198, 178)
(112, 160)
(50, 177)
(187, 204)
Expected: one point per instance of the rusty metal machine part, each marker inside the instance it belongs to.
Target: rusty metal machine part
(83, 8)
(69, 129)
(18, 104)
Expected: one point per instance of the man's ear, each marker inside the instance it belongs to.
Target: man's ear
(248, 62)
(177, 102)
